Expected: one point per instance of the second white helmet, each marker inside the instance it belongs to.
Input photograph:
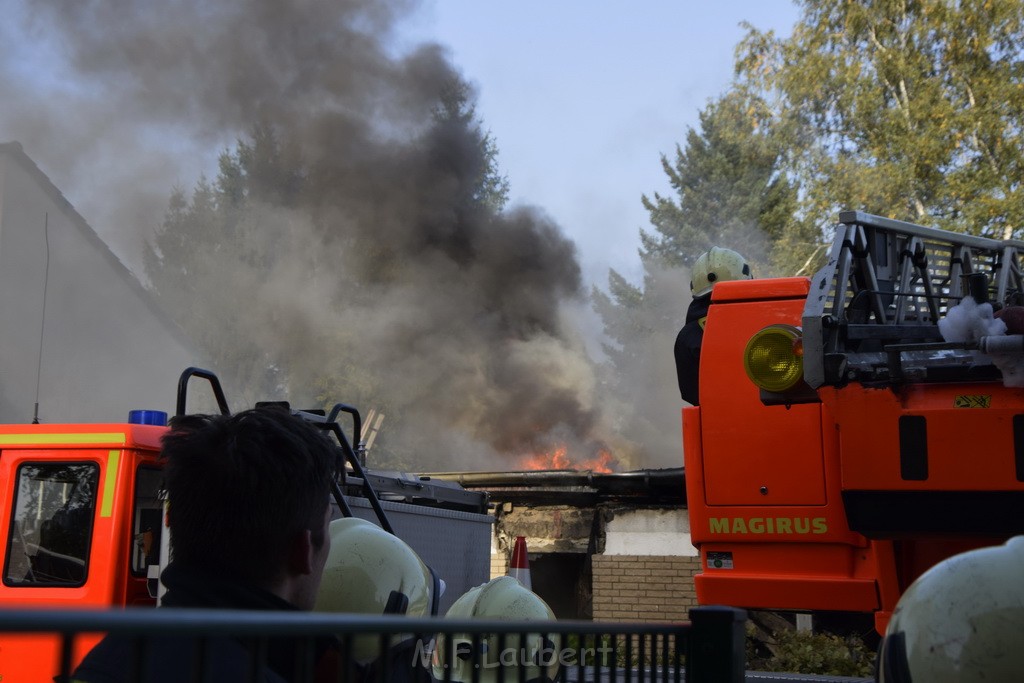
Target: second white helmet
(500, 599)
(717, 265)
(962, 620)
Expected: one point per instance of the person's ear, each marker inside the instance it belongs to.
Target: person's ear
(300, 558)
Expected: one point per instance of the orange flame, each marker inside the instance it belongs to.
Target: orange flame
(558, 459)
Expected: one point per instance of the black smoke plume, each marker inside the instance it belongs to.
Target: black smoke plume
(376, 273)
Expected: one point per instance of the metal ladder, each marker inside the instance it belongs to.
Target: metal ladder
(889, 282)
(327, 422)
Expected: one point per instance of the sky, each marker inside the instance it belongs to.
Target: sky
(583, 98)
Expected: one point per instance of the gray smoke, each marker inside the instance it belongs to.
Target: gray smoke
(123, 99)
(462, 311)
(971, 322)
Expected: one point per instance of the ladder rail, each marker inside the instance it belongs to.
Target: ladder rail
(888, 281)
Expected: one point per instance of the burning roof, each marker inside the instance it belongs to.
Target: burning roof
(575, 487)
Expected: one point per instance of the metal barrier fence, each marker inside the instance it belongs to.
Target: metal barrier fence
(228, 645)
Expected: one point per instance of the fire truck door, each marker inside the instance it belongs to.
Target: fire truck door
(754, 454)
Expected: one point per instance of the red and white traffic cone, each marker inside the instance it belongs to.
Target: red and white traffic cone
(519, 567)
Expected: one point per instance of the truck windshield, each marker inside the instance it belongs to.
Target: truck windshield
(48, 543)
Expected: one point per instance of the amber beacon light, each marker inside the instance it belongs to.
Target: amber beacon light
(773, 358)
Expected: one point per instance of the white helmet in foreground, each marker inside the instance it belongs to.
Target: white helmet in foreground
(500, 599)
(962, 620)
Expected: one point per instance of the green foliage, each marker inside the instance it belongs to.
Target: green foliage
(905, 109)
(911, 110)
(806, 652)
(488, 188)
(622, 312)
(729, 191)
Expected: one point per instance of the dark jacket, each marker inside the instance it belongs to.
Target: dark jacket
(116, 659)
(687, 349)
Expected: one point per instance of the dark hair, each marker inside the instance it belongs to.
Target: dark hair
(241, 486)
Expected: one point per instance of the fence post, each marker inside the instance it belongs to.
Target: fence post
(716, 652)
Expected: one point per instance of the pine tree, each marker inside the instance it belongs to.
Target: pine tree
(729, 191)
(456, 111)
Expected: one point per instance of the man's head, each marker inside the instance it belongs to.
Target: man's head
(714, 266)
(249, 494)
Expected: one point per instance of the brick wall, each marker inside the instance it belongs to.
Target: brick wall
(643, 587)
(499, 564)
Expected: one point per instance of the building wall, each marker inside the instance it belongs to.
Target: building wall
(499, 557)
(648, 531)
(643, 587)
(644, 567)
(646, 571)
(103, 348)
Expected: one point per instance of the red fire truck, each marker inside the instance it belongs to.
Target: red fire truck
(842, 445)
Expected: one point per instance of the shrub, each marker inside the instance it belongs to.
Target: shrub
(806, 652)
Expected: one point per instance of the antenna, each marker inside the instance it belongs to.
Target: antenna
(42, 325)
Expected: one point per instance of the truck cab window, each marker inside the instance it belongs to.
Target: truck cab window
(51, 528)
(147, 519)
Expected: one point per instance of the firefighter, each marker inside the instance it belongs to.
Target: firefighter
(249, 516)
(713, 266)
(500, 599)
(370, 571)
(962, 620)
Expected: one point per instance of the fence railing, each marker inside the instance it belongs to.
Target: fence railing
(201, 645)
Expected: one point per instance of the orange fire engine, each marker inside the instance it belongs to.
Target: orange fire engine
(841, 445)
(84, 523)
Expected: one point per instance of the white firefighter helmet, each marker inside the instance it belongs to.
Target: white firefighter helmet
(371, 571)
(717, 265)
(962, 620)
(501, 599)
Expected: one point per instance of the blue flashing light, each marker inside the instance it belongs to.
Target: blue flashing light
(148, 417)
